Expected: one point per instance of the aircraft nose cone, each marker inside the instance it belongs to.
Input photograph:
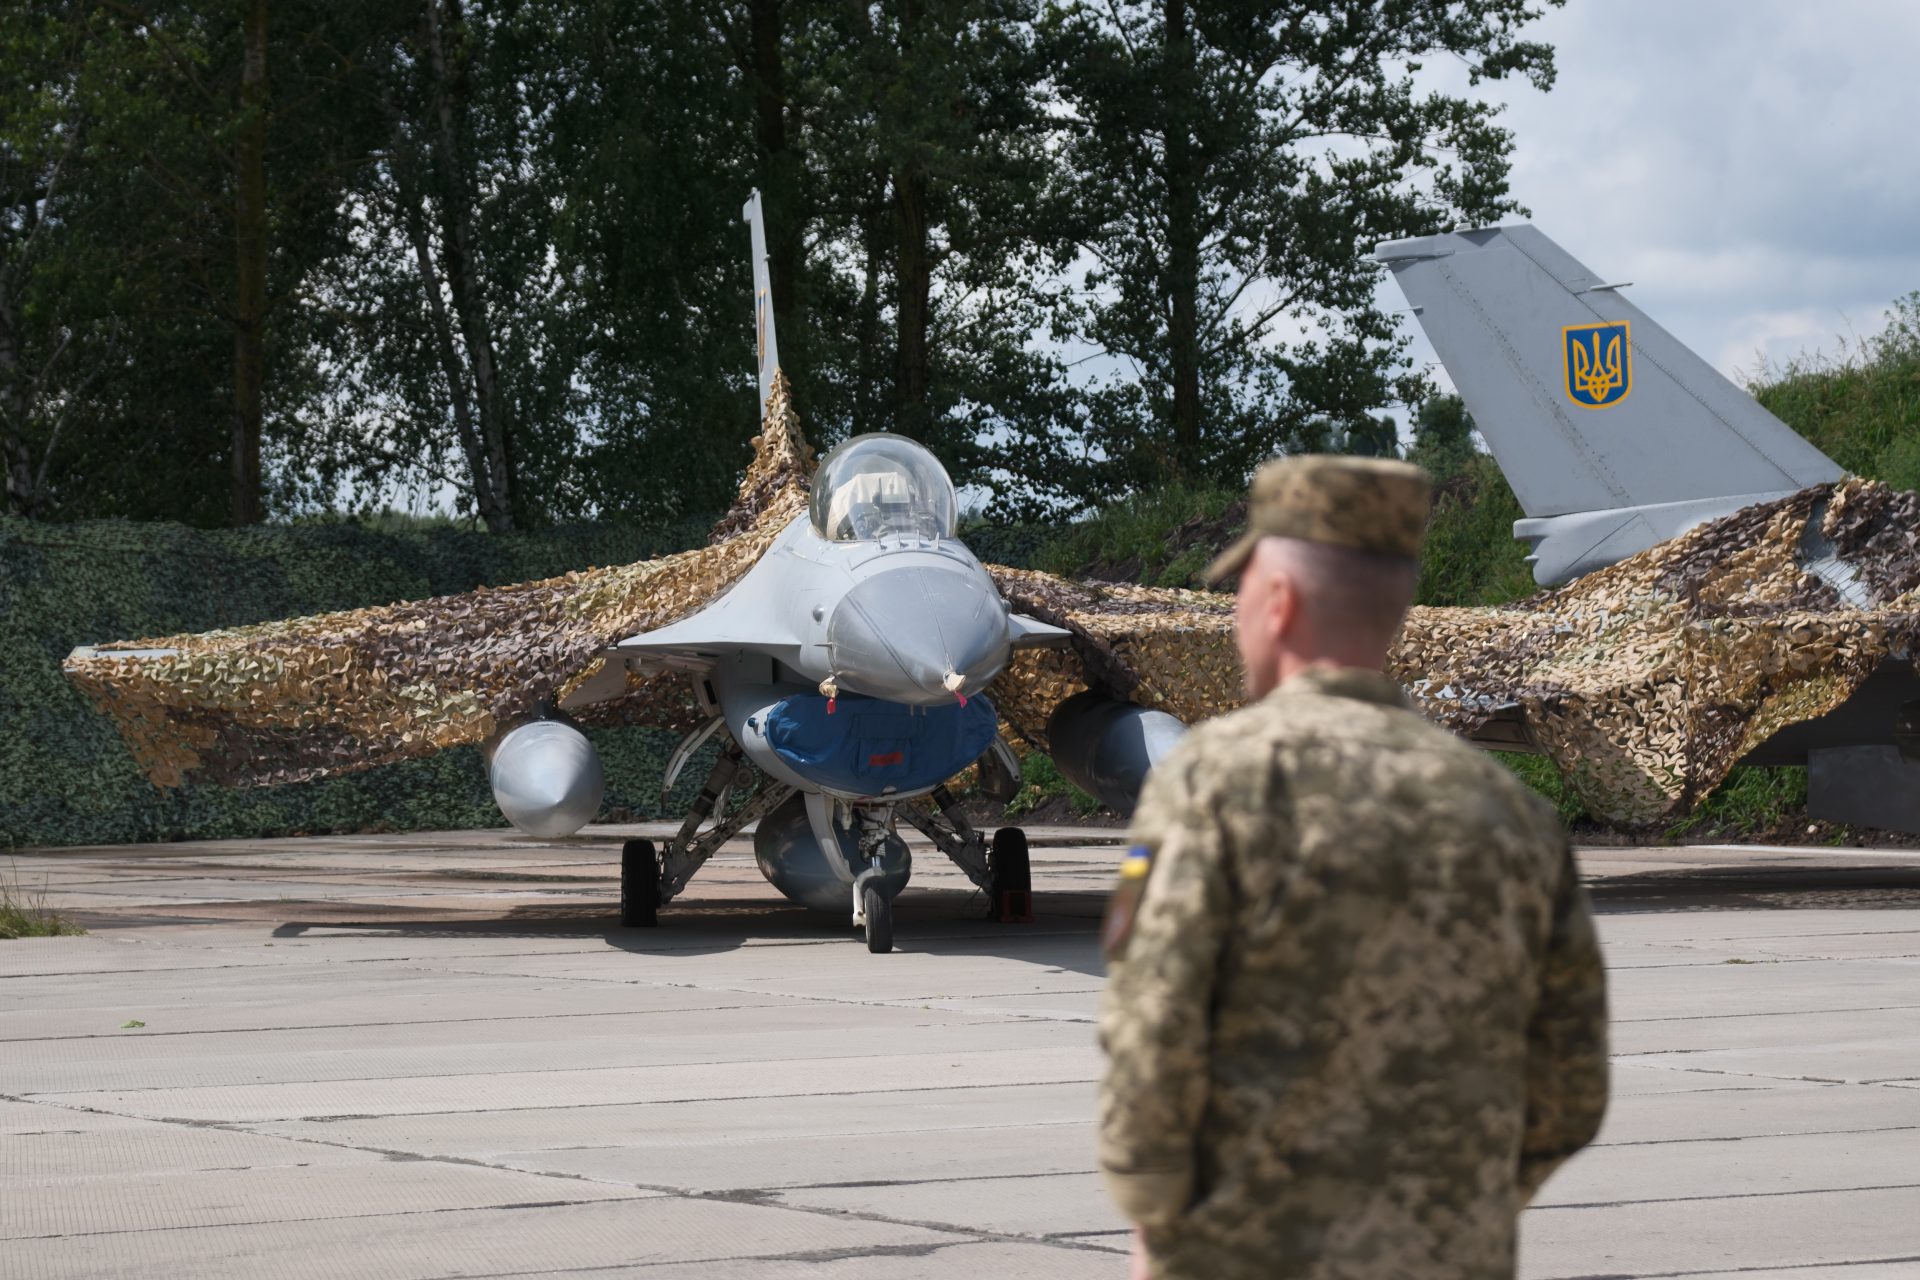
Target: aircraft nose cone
(918, 635)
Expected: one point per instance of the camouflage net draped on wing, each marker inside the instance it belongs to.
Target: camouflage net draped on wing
(1647, 681)
(313, 697)
(1644, 682)
(1159, 647)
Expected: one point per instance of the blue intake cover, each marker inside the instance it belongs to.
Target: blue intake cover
(870, 748)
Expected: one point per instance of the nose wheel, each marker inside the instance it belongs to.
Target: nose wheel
(877, 909)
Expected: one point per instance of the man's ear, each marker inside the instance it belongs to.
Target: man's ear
(1283, 605)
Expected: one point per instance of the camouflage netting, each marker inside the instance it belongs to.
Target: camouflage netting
(1157, 646)
(316, 697)
(1647, 681)
(66, 776)
(1644, 682)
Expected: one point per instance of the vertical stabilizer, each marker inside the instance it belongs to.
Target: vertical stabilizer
(1613, 435)
(763, 340)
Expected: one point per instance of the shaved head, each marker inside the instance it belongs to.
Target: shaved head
(1306, 604)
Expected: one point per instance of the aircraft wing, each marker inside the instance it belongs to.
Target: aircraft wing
(1645, 682)
(1159, 647)
(315, 697)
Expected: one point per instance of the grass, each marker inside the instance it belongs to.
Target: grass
(24, 912)
(1041, 781)
(1539, 773)
(1751, 801)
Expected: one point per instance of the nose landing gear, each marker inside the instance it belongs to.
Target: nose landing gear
(876, 919)
(872, 908)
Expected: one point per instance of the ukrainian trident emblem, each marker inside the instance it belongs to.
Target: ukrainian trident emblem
(1599, 363)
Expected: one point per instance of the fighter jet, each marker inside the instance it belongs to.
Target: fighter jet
(1617, 439)
(837, 640)
(849, 657)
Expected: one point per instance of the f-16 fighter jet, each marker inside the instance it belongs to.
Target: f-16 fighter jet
(850, 655)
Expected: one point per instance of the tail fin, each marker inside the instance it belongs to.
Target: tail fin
(768, 350)
(1613, 435)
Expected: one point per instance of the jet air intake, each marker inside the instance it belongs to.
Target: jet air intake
(1107, 747)
(546, 778)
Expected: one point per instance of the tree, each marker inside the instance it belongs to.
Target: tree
(104, 406)
(933, 140)
(1443, 437)
(209, 192)
(448, 349)
(1235, 163)
(41, 130)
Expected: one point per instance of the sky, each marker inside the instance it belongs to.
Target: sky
(1750, 165)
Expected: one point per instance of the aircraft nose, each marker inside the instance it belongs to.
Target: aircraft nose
(918, 635)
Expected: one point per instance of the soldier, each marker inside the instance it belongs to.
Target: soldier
(1355, 1011)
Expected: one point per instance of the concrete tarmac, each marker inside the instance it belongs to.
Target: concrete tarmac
(436, 1055)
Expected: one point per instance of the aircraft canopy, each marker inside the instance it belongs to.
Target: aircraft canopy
(882, 486)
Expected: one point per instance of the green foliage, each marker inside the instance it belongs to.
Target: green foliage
(1863, 408)
(490, 252)
(1016, 545)
(24, 912)
(1041, 781)
(1232, 166)
(1751, 801)
(1158, 537)
(1539, 773)
(65, 776)
(1471, 557)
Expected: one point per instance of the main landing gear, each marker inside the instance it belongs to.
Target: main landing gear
(1010, 892)
(639, 885)
(1001, 869)
(650, 878)
(870, 869)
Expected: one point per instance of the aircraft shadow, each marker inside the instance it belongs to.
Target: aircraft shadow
(1756, 889)
(927, 921)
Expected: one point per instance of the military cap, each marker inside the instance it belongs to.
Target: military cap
(1369, 504)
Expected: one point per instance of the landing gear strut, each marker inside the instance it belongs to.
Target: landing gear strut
(873, 909)
(1002, 871)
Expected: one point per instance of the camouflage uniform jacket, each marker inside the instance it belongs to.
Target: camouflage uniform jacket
(1360, 1015)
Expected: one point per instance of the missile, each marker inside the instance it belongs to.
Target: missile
(546, 778)
(1107, 747)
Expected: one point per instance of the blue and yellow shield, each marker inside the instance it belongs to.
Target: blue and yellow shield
(1599, 363)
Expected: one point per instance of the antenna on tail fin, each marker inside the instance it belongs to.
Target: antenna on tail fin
(764, 345)
(1613, 435)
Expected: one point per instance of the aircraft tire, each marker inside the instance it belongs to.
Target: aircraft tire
(879, 909)
(639, 885)
(1012, 871)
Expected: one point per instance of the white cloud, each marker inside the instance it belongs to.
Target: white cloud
(1746, 163)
